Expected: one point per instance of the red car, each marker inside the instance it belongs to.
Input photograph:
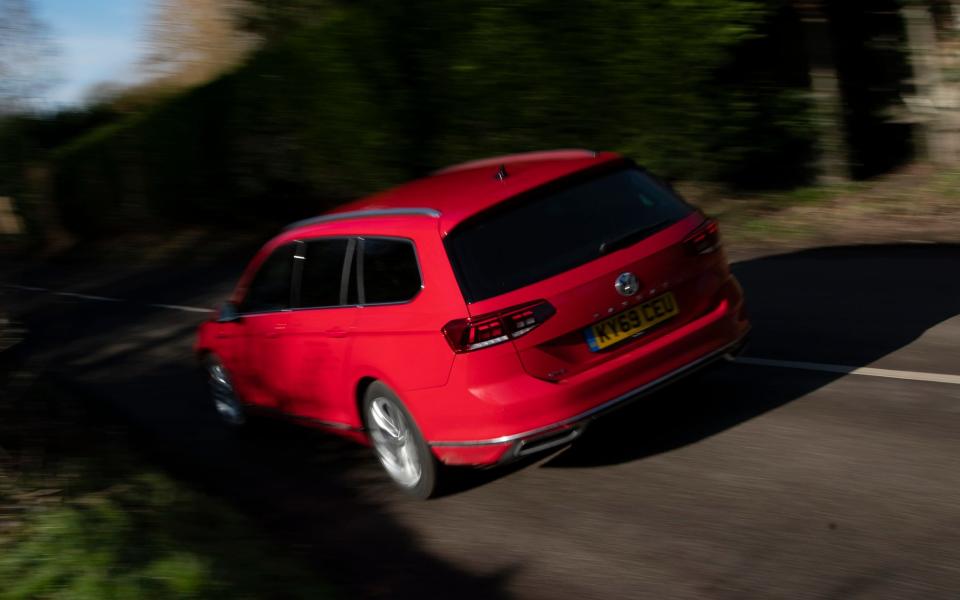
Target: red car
(484, 313)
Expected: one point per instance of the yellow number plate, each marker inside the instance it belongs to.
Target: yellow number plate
(631, 322)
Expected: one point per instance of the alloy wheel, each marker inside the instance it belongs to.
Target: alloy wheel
(224, 398)
(394, 442)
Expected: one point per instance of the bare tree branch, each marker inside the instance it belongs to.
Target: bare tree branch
(192, 41)
(25, 57)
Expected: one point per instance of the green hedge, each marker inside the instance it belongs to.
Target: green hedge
(378, 91)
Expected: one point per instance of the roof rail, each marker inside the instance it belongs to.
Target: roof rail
(373, 212)
(566, 154)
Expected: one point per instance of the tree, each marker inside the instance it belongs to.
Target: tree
(935, 104)
(193, 41)
(24, 53)
(825, 88)
(273, 19)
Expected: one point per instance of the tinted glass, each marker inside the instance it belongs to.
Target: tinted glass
(322, 270)
(270, 288)
(390, 272)
(547, 233)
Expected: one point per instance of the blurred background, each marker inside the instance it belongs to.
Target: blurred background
(124, 116)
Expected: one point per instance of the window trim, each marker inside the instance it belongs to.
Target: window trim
(361, 290)
(347, 270)
(352, 268)
(299, 258)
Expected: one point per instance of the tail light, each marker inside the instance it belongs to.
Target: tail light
(466, 335)
(705, 239)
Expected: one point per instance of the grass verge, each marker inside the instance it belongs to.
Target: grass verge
(82, 517)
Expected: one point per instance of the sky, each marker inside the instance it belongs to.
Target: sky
(96, 41)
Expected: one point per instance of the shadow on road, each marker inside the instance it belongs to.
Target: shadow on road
(846, 305)
(849, 305)
(323, 496)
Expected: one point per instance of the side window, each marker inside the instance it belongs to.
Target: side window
(322, 273)
(270, 288)
(390, 271)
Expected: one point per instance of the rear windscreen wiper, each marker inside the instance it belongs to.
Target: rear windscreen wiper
(631, 238)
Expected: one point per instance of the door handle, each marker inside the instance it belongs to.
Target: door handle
(277, 331)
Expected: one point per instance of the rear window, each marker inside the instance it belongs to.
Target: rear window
(551, 231)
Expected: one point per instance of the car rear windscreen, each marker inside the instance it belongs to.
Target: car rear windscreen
(547, 232)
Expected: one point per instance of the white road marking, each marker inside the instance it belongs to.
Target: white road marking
(848, 370)
(193, 309)
(743, 360)
(28, 288)
(87, 297)
(181, 308)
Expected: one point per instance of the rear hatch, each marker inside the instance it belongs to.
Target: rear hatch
(567, 245)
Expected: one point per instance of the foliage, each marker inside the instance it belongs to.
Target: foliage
(145, 538)
(25, 143)
(345, 98)
(485, 77)
(83, 518)
(612, 74)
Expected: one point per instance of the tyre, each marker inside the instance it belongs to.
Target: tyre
(228, 407)
(398, 443)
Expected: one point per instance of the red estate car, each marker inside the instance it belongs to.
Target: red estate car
(484, 313)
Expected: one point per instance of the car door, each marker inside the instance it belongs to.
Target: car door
(321, 327)
(264, 314)
(397, 336)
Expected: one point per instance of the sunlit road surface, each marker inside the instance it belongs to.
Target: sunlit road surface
(825, 465)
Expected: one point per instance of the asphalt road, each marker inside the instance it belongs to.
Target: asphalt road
(743, 481)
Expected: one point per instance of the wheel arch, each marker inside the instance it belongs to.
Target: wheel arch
(360, 390)
(363, 384)
(201, 355)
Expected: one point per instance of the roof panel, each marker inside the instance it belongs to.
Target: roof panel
(464, 190)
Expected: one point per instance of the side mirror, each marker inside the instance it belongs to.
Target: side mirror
(228, 313)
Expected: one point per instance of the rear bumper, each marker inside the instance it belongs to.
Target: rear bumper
(491, 409)
(511, 447)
